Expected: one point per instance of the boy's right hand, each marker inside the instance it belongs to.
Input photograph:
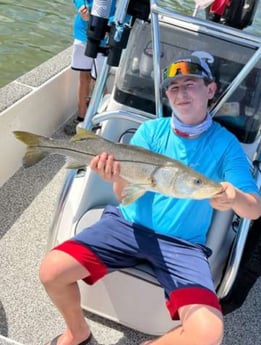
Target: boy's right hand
(106, 167)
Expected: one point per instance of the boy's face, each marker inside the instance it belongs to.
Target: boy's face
(188, 97)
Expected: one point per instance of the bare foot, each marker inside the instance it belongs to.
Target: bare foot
(147, 342)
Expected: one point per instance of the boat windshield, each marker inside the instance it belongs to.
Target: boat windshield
(241, 113)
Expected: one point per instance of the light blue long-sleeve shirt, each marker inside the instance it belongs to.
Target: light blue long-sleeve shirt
(217, 154)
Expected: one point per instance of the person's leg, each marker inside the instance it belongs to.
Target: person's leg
(200, 325)
(88, 257)
(59, 273)
(184, 273)
(83, 65)
(84, 92)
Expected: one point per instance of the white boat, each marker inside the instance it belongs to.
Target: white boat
(116, 116)
(135, 98)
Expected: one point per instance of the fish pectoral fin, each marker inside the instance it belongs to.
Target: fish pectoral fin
(131, 193)
(74, 164)
(32, 157)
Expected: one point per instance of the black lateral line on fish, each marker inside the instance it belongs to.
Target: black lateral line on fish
(91, 154)
(62, 149)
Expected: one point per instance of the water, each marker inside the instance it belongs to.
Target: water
(33, 31)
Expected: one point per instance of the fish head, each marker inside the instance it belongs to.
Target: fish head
(191, 185)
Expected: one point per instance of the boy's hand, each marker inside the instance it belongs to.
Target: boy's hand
(106, 167)
(246, 205)
(226, 199)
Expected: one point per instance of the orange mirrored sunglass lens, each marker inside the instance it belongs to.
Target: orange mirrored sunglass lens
(179, 68)
(182, 67)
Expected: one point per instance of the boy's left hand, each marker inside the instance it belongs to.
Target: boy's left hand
(226, 199)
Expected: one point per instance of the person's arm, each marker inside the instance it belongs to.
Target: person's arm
(83, 9)
(109, 170)
(246, 205)
(79, 3)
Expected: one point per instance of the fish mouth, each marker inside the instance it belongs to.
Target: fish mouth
(208, 194)
(218, 193)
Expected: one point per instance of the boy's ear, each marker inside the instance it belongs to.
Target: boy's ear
(212, 88)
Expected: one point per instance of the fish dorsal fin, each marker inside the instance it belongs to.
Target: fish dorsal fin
(131, 193)
(73, 164)
(82, 134)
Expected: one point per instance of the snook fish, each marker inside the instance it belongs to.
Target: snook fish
(142, 169)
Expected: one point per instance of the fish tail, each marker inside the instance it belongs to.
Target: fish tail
(34, 153)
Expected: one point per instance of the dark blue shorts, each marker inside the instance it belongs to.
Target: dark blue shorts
(112, 243)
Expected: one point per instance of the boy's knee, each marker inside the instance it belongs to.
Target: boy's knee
(203, 324)
(209, 333)
(48, 269)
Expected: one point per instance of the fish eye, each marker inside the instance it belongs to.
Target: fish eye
(197, 181)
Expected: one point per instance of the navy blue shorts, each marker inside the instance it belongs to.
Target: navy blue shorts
(112, 243)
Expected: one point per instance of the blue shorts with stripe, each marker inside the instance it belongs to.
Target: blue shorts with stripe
(112, 243)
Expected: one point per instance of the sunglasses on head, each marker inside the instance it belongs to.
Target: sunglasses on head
(184, 68)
